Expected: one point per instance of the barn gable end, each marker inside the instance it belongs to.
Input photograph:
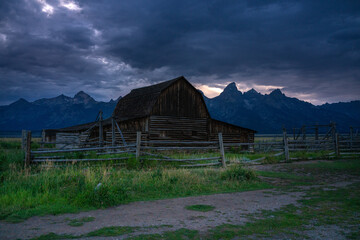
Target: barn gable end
(181, 99)
(176, 97)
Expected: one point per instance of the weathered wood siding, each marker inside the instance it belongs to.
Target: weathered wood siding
(129, 136)
(128, 129)
(67, 140)
(181, 100)
(231, 133)
(177, 128)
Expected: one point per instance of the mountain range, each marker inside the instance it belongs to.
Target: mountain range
(265, 113)
(50, 113)
(268, 113)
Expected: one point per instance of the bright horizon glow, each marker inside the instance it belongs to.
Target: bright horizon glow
(209, 91)
(212, 92)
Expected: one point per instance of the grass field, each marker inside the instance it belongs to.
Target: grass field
(320, 208)
(48, 190)
(41, 190)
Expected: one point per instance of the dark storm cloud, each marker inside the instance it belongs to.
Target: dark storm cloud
(310, 48)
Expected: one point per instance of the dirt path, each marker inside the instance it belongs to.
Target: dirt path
(229, 208)
(162, 215)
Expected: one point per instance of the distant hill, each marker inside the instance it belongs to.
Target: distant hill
(264, 113)
(58, 112)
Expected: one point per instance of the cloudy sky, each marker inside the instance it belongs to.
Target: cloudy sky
(310, 49)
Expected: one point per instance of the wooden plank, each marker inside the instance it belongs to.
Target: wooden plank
(177, 142)
(337, 144)
(117, 152)
(183, 160)
(81, 149)
(222, 151)
(155, 155)
(42, 138)
(278, 154)
(23, 139)
(28, 149)
(113, 139)
(47, 157)
(138, 145)
(286, 147)
(178, 148)
(201, 165)
(81, 160)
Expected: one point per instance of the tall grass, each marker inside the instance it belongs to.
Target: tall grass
(25, 193)
(48, 189)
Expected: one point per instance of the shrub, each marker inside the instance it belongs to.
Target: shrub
(104, 195)
(238, 173)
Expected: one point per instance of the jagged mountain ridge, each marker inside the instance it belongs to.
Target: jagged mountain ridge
(57, 112)
(268, 113)
(264, 113)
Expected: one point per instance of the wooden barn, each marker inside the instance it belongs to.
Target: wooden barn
(171, 110)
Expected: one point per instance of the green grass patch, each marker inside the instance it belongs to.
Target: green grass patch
(42, 190)
(340, 207)
(80, 221)
(304, 155)
(200, 208)
(347, 166)
(238, 173)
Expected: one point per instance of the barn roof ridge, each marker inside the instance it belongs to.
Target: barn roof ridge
(156, 88)
(128, 107)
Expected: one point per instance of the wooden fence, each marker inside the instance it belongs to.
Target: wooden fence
(140, 150)
(334, 144)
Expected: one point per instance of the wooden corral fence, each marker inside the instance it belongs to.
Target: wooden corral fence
(147, 148)
(141, 150)
(349, 144)
(331, 142)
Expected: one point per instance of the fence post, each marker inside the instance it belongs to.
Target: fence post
(28, 149)
(113, 131)
(23, 140)
(316, 132)
(101, 138)
(303, 131)
(351, 137)
(138, 145)
(222, 152)
(42, 138)
(337, 144)
(286, 146)
(294, 134)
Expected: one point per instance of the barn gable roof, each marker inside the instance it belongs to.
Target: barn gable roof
(139, 102)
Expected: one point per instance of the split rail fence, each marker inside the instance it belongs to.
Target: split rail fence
(332, 143)
(141, 150)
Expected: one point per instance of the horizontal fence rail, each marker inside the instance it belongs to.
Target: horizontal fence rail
(143, 149)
